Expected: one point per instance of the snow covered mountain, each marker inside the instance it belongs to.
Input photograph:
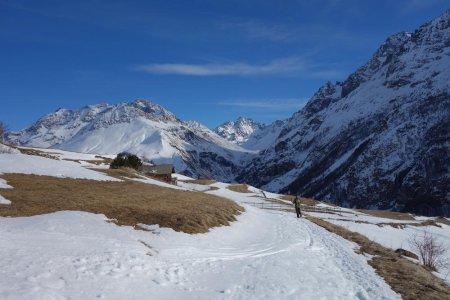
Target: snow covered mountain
(249, 134)
(140, 127)
(380, 139)
(238, 131)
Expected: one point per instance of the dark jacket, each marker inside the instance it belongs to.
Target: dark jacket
(296, 202)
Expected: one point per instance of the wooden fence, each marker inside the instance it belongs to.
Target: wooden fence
(287, 206)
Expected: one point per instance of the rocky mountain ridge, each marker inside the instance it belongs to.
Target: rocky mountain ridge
(380, 139)
(140, 127)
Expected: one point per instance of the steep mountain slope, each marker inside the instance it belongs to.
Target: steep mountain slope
(139, 127)
(263, 138)
(379, 139)
(250, 134)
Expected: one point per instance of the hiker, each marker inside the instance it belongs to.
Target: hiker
(296, 202)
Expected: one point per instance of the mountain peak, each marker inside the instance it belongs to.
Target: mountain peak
(63, 124)
(151, 110)
(238, 131)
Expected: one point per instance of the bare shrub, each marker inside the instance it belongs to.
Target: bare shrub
(431, 251)
(3, 131)
(5, 149)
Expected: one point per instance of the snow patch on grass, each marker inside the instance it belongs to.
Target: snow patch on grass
(28, 164)
(4, 201)
(4, 184)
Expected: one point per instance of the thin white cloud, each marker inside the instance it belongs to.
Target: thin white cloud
(272, 104)
(291, 65)
(278, 66)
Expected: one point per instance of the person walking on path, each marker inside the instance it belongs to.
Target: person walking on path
(296, 202)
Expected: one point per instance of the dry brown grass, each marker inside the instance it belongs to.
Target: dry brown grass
(443, 221)
(410, 280)
(388, 214)
(91, 161)
(200, 181)
(239, 188)
(425, 223)
(407, 253)
(130, 203)
(395, 225)
(120, 173)
(51, 155)
(106, 160)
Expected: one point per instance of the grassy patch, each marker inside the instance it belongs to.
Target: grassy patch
(395, 225)
(91, 161)
(200, 181)
(51, 155)
(443, 221)
(106, 160)
(410, 280)
(120, 173)
(129, 202)
(239, 188)
(388, 214)
(425, 223)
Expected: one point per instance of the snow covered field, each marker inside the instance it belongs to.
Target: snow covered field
(265, 254)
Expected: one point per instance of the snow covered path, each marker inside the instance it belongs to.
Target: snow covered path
(264, 255)
(275, 257)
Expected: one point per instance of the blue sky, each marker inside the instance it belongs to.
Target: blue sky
(211, 61)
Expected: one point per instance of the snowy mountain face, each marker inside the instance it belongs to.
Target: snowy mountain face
(380, 139)
(238, 131)
(249, 134)
(64, 124)
(139, 127)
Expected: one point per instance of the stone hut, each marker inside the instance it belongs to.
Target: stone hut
(162, 172)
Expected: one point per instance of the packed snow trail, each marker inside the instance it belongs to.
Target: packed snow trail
(264, 255)
(273, 256)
